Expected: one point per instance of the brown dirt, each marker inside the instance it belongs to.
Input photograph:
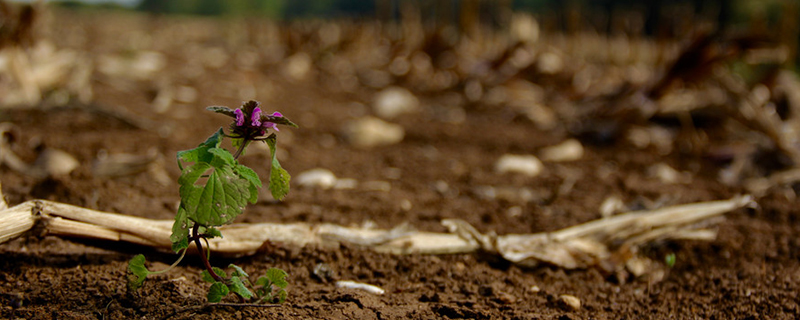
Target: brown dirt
(752, 271)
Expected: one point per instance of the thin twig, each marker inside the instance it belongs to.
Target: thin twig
(220, 304)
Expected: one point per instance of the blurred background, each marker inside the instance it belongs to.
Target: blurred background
(713, 80)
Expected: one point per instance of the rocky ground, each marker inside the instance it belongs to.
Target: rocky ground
(446, 112)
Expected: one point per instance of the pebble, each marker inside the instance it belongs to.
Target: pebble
(510, 194)
(570, 302)
(611, 206)
(55, 162)
(394, 101)
(142, 65)
(377, 185)
(514, 212)
(569, 150)
(345, 184)
(669, 175)
(323, 272)
(506, 298)
(523, 164)
(406, 205)
(298, 66)
(370, 132)
(550, 63)
(318, 177)
(358, 285)
(186, 94)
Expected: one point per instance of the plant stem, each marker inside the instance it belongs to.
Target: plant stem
(204, 257)
(241, 149)
(196, 237)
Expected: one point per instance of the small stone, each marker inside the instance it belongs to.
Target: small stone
(359, 286)
(441, 186)
(298, 66)
(610, 206)
(506, 298)
(535, 289)
(406, 205)
(377, 185)
(550, 63)
(393, 173)
(524, 164)
(370, 132)
(669, 175)
(345, 184)
(186, 94)
(323, 272)
(318, 177)
(394, 101)
(514, 212)
(570, 302)
(54, 162)
(569, 150)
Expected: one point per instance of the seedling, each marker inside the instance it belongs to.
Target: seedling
(214, 190)
(670, 260)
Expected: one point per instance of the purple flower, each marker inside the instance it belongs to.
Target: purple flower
(239, 117)
(256, 122)
(256, 117)
(272, 125)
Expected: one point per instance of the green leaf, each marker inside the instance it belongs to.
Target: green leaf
(277, 277)
(201, 154)
(238, 271)
(670, 259)
(280, 120)
(217, 291)
(191, 193)
(221, 158)
(262, 291)
(137, 272)
(278, 177)
(180, 231)
(223, 110)
(251, 176)
(238, 287)
(208, 278)
(282, 295)
(279, 181)
(263, 281)
(220, 201)
(210, 232)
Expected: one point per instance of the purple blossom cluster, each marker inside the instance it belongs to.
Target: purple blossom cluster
(255, 119)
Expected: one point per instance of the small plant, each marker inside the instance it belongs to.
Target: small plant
(214, 190)
(670, 260)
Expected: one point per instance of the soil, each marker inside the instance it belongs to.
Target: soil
(751, 271)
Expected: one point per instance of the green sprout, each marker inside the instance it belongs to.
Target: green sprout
(670, 260)
(214, 190)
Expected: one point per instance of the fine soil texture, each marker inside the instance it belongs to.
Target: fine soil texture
(137, 85)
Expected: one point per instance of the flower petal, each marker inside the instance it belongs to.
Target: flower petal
(239, 116)
(271, 125)
(256, 117)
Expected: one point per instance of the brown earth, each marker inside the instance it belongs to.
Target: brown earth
(751, 271)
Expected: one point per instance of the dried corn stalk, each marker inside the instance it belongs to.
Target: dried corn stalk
(586, 245)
